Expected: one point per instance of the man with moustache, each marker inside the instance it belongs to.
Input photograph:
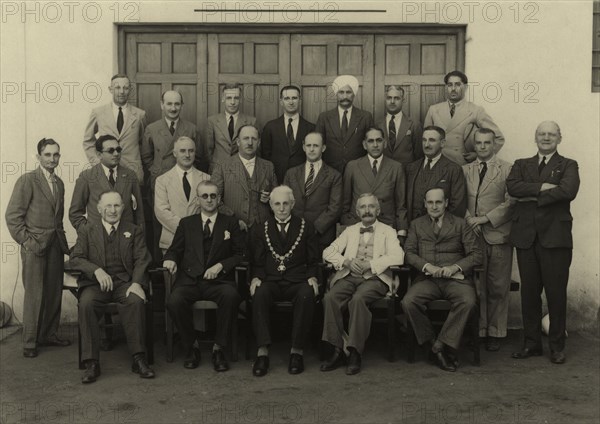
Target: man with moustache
(282, 138)
(317, 189)
(460, 118)
(362, 256)
(544, 185)
(434, 170)
(34, 217)
(403, 134)
(344, 127)
(123, 121)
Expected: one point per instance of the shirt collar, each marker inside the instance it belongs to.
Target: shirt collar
(440, 219)
(341, 110)
(287, 221)
(371, 159)
(490, 160)
(367, 226)
(106, 170)
(457, 104)
(235, 116)
(107, 226)
(548, 156)
(248, 161)
(294, 117)
(316, 164)
(434, 159)
(170, 120)
(46, 173)
(180, 170)
(123, 108)
(205, 217)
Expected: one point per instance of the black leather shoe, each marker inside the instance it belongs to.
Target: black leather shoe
(219, 362)
(92, 371)
(55, 341)
(296, 365)
(492, 344)
(354, 363)
(261, 366)
(29, 352)
(192, 360)
(526, 353)
(140, 366)
(335, 361)
(443, 362)
(558, 358)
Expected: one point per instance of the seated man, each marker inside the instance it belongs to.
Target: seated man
(207, 247)
(112, 256)
(443, 249)
(362, 255)
(284, 267)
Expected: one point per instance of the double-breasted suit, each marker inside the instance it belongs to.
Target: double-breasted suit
(219, 146)
(408, 145)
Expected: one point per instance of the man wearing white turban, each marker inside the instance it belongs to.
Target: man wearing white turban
(344, 127)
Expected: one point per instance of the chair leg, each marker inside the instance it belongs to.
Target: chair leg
(391, 317)
(81, 364)
(169, 325)
(108, 329)
(234, 339)
(249, 332)
(149, 333)
(474, 324)
(411, 341)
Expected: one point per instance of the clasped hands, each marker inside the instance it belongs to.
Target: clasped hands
(441, 272)
(210, 274)
(106, 284)
(474, 223)
(357, 266)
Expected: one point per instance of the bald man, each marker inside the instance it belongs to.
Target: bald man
(344, 127)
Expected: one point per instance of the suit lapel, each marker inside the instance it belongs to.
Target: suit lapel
(319, 178)
(108, 116)
(45, 187)
(384, 169)
(198, 238)
(121, 176)
(555, 160)
(447, 224)
(129, 120)
(97, 242)
(354, 119)
(378, 242)
(217, 237)
(405, 124)
(532, 169)
(353, 241)
(240, 171)
(334, 120)
(365, 168)
(177, 187)
(222, 125)
(491, 174)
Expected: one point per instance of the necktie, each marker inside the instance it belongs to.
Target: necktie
(54, 188)
(230, 127)
(111, 177)
(392, 131)
(482, 172)
(436, 227)
(290, 133)
(120, 120)
(311, 177)
(375, 168)
(187, 189)
(452, 109)
(542, 165)
(344, 124)
(282, 229)
(366, 229)
(112, 232)
(172, 128)
(206, 231)
(428, 166)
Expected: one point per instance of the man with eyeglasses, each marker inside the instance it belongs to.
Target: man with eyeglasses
(109, 174)
(205, 251)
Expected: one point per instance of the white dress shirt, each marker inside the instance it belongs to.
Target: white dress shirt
(317, 167)
(249, 164)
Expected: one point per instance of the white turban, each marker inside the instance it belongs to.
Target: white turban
(344, 80)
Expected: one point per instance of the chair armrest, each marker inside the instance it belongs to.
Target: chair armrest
(402, 274)
(242, 279)
(155, 271)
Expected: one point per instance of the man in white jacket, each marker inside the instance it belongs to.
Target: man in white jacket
(362, 256)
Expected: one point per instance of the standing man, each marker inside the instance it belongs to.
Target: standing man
(206, 249)
(123, 121)
(460, 118)
(544, 186)
(34, 217)
(106, 175)
(317, 189)
(221, 129)
(160, 136)
(344, 127)
(434, 170)
(282, 138)
(381, 176)
(284, 267)
(112, 257)
(403, 134)
(362, 256)
(246, 180)
(489, 214)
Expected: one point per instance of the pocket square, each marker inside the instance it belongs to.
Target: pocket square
(226, 235)
(409, 132)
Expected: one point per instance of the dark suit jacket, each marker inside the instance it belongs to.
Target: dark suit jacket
(275, 146)
(92, 182)
(455, 244)
(549, 217)
(302, 264)
(339, 152)
(448, 174)
(187, 249)
(88, 254)
(322, 205)
(409, 144)
(389, 187)
(33, 217)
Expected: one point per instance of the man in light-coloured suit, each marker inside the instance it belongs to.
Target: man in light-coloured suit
(460, 118)
(317, 188)
(175, 193)
(403, 134)
(160, 136)
(362, 256)
(123, 121)
(246, 180)
(489, 214)
(221, 129)
(444, 251)
(34, 217)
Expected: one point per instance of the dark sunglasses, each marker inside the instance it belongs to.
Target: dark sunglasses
(112, 150)
(211, 195)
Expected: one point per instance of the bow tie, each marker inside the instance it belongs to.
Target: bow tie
(366, 229)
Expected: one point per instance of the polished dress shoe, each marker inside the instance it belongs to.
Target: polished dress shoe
(443, 362)
(492, 344)
(261, 366)
(140, 366)
(296, 365)
(192, 360)
(335, 361)
(55, 341)
(219, 362)
(527, 352)
(92, 371)
(354, 363)
(557, 358)
(30, 352)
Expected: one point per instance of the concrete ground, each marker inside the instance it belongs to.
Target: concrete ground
(502, 390)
